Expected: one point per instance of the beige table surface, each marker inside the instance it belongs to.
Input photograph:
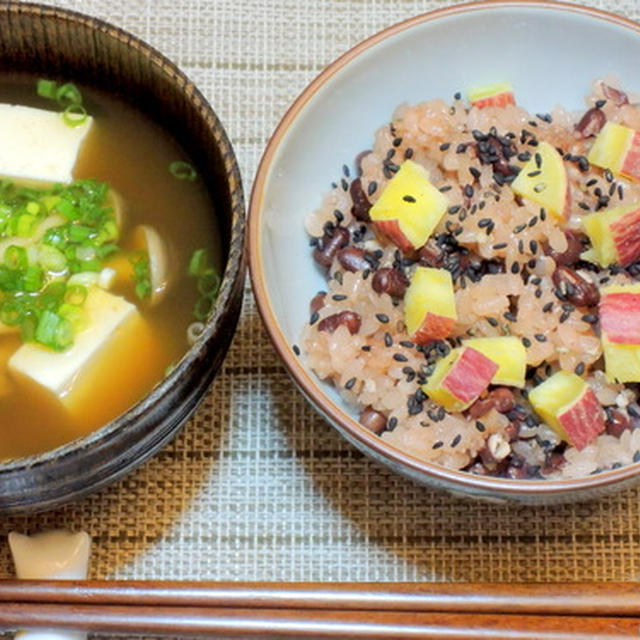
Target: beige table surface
(257, 486)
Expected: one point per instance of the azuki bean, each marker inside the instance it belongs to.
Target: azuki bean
(616, 423)
(348, 319)
(591, 122)
(317, 302)
(571, 254)
(580, 292)
(353, 259)
(361, 204)
(330, 243)
(391, 281)
(373, 420)
(501, 399)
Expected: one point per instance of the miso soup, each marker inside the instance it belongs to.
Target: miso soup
(103, 280)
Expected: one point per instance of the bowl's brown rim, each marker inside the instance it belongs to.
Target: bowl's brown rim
(308, 384)
(236, 259)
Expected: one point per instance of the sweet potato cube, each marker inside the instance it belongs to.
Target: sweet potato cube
(620, 332)
(543, 179)
(508, 353)
(614, 235)
(499, 94)
(429, 305)
(460, 378)
(409, 208)
(617, 148)
(570, 407)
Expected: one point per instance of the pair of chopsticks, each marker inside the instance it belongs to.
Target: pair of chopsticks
(584, 611)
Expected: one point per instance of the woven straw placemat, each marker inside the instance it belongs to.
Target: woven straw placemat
(257, 486)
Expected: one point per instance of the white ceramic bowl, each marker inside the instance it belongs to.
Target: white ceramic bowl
(550, 52)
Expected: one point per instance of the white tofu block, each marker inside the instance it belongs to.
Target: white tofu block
(57, 370)
(38, 144)
(53, 555)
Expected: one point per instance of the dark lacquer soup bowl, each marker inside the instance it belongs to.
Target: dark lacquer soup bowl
(50, 43)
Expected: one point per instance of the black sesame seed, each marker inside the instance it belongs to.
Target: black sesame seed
(371, 189)
(474, 172)
(408, 198)
(382, 317)
(590, 318)
(533, 246)
(544, 117)
(445, 188)
(445, 146)
(296, 349)
(538, 293)
(408, 154)
(468, 191)
(538, 159)
(500, 245)
(480, 427)
(454, 209)
(608, 176)
(456, 441)
(579, 370)
(350, 383)
(438, 444)
(457, 95)
(407, 344)
(388, 340)
(636, 456)
(543, 214)
(584, 205)
(492, 321)
(511, 317)
(600, 103)
(526, 342)
(524, 157)
(344, 184)
(398, 357)
(519, 228)
(620, 192)
(515, 267)
(540, 187)
(564, 316)
(533, 174)
(461, 148)
(632, 411)
(339, 297)
(315, 316)
(591, 182)
(540, 337)
(366, 347)
(521, 246)
(392, 424)
(397, 142)
(484, 222)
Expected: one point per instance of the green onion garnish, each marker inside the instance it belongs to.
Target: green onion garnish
(47, 89)
(208, 283)
(74, 115)
(182, 170)
(68, 95)
(141, 274)
(34, 295)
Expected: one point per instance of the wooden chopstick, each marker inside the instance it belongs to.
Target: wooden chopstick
(575, 611)
(578, 599)
(269, 624)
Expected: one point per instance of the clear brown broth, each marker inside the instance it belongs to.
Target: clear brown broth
(132, 154)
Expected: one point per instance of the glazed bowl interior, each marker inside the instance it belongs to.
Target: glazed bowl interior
(54, 43)
(551, 54)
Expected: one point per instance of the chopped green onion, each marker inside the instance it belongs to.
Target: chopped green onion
(32, 279)
(182, 170)
(54, 331)
(76, 294)
(68, 95)
(209, 283)
(141, 274)
(10, 313)
(47, 88)
(74, 115)
(199, 262)
(202, 308)
(33, 208)
(52, 259)
(15, 257)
